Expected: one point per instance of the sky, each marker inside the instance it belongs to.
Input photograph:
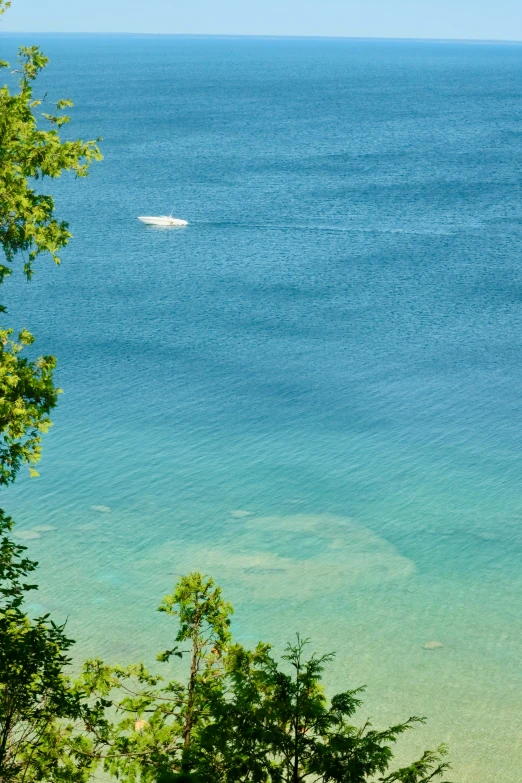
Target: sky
(468, 19)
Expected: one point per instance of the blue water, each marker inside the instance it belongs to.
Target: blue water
(313, 391)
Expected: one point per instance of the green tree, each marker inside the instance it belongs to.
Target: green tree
(204, 621)
(242, 717)
(158, 736)
(27, 396)
(284, 730)
(30, 153)
(41, 713)
(29, 228)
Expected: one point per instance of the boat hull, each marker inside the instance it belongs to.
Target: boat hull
(162, 220)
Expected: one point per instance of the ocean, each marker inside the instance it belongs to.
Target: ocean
(313, 392)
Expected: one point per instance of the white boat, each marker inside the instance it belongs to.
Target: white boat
(162, 220)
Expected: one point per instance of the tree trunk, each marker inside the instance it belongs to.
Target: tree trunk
(190, 693)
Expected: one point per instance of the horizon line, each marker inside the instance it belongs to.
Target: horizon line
(269, 36)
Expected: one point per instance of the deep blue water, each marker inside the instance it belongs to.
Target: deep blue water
(333, 345)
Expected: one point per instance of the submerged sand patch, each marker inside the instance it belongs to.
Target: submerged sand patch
(26, 535)
(293, 556)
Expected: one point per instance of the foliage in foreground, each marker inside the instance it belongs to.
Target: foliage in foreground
(239, 715)
(29, 228)
(236, 715)
(42, 715)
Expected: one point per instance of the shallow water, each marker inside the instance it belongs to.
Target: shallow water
(333, 345)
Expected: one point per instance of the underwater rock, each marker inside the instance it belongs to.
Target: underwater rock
(432, 646)
(44, 528)
(26, 535)
(101, 509)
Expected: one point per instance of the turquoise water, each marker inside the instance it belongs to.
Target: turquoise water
(313, 391)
